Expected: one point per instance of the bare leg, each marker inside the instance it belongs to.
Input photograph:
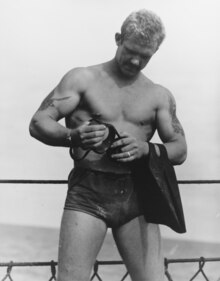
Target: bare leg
(81, 237)
(139, 244)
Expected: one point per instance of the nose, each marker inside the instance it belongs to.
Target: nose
(135, 61)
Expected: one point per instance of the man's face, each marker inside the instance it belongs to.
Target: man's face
(132, 56)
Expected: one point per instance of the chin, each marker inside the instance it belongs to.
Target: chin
(129, 73)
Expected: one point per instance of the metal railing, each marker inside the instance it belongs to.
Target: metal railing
(96, 275)
(201, 262)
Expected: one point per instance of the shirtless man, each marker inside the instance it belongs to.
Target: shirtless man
(101, 193)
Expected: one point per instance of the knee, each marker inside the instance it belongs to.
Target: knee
(68, 274)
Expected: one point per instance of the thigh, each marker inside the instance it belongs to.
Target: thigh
(139, 244)
(81, 237)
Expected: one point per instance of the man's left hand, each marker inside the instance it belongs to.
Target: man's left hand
(128, 148)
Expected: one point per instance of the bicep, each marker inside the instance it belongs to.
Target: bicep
(60, 102)
(168, 126)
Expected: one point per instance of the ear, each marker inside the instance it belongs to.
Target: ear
(118, 39)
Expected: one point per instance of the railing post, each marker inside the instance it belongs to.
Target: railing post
(167, 274)
(53, 271)
(8, 274)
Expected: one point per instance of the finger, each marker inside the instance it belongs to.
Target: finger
(97, 144)
(91, 144)
(90, 135)
(126, 160)
(120, 142)
(124, 135)
(128, 148)
(92, 128)
(91, 141)
(122, 155)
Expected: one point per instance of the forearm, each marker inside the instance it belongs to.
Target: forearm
(177, 151)
(50, 132)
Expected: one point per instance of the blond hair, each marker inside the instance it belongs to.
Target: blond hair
(145, 25)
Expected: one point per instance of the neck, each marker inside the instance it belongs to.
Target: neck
(113, 68)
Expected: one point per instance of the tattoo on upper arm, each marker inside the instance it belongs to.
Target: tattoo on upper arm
(49, 101)
(175, 122)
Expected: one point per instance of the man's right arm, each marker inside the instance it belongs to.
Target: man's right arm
(58, 104)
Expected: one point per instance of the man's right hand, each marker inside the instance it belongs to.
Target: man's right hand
(89, 136)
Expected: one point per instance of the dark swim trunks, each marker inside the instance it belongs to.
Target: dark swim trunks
(108, 196)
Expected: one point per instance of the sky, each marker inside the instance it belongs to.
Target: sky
(43, 39)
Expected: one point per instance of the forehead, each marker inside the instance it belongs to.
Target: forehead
(134, 44)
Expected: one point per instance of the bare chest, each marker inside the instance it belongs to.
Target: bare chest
(132, 104)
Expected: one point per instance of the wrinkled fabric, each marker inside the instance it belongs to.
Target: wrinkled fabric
(108, 196)
(158, 190)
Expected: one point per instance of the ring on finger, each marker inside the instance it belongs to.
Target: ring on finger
(129, 154)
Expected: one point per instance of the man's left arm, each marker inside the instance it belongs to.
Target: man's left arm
(170, 129)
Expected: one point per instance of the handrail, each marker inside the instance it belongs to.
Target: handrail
(28, 181)
(52, 264)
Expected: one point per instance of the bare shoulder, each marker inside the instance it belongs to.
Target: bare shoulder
(76, 80)
(164, 97)
(67, 94)
(159, 93)
(166, 110)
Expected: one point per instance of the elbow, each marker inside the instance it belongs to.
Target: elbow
(181, 160)
(32, 128)
(182, 157)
